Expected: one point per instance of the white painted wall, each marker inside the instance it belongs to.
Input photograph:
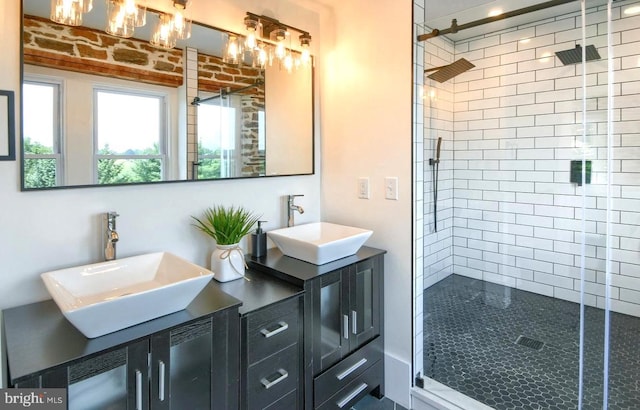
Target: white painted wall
(363, 89)
(366, 126)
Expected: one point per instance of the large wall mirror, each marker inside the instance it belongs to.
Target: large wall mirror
(102, 110)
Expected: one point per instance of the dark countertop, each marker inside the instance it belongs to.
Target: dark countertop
(38, 337)
(259, 290)
(297, 271)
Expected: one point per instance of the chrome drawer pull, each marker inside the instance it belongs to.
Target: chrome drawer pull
(161, 380)
(138, 390)
(351, 395)
(267, 384)
(351, 369)
(283, 326)
(345, 326)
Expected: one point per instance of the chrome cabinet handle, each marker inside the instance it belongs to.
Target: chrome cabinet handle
(282, 327)
(138, 390)
(267, 384)
(354, 325)
(351, 369)
(161, 374)
(345, 326)
(351, 395)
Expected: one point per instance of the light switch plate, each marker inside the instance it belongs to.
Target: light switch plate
(363, 188)
(391, 188)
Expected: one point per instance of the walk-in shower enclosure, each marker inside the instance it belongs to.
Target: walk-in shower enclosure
(521, 241)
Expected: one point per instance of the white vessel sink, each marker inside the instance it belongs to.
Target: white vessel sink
(105, 297)
(319, 242)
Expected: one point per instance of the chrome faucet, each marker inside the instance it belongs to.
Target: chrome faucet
(111, 236)
(291, 208)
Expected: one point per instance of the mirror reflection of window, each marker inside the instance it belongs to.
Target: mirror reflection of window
(130, 131)
(219, 125)
(42, 133)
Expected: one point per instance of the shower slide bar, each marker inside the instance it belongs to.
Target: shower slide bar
(435, 163)
(455, 27)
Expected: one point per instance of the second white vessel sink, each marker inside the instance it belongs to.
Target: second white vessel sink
(319, 242)
(104, 297)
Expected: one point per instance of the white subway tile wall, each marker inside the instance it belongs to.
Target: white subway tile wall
(507, 211)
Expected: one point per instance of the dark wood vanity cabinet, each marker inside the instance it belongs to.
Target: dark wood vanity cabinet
(343, 325)
(347, 334)
(191, 360)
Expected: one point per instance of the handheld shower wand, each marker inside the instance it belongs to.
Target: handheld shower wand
(435, 163)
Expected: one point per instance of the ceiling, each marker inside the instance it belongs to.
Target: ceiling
(438, 14)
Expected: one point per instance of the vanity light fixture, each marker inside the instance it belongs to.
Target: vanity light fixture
(267, 39)
(69, 12)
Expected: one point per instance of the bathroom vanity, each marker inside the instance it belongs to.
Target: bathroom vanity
(343, 324)
(188, 358)
(293, 335)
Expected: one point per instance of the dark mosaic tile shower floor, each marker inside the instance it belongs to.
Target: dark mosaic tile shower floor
(471, 327)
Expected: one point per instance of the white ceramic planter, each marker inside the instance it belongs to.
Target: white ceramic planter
(227, 263)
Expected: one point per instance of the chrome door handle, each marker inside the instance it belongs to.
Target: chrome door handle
(138, 390)
(345, 326)
(354, 325)
(161, 375)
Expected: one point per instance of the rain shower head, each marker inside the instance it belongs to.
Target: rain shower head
(574, 55)
(449, 71)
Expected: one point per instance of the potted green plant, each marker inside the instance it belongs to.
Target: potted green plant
(227, 226)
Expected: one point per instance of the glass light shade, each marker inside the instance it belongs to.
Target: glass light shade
(119, 22)
(232, 50)
(68, 12)
(261, 56)
(164, 35)
(287, 62)
(87, 5)
(140, 16)
(305, 55)
(252, 37)
(181, 25)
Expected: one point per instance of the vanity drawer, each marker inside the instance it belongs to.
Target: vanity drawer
(347, 370)
(272, 335)
(357, 389)
(272, 378)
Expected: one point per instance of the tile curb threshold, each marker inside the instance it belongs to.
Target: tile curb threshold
(436, 395)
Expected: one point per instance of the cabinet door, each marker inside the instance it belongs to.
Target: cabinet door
(364, 298)
(331, 320)
(181, 367)
(113, 380)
